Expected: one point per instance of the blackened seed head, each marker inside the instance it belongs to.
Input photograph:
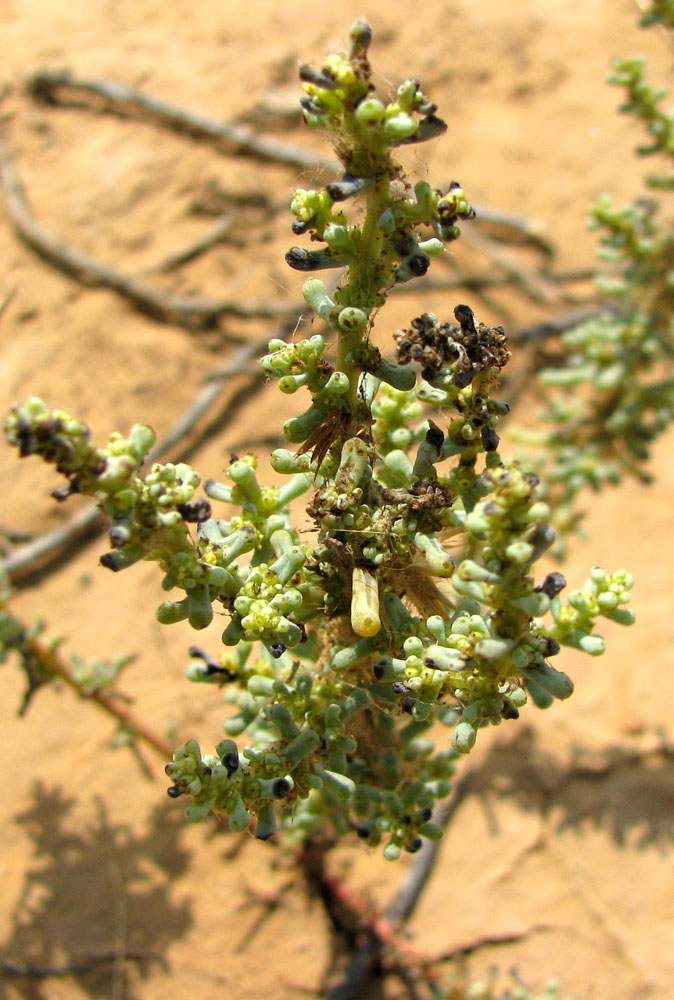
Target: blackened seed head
(196, 511)
(110, 562)
(207, 770)
(311, 260)
(466, 317)
(230, 762)
(399, 687)
(311, 105)
(405, 245)
(414, 845)
(362, 831)
(418, 263)
(490, 439)
(430, 127)
(299, 228)
(463, 379)
(552, 585)
(425, 814)
(174, 791)
(552, 647)
(281, 788)
(510, 711)
(379, 670)
(321, 78)
(277, 649)
(405, 820)
(434, 435)
(347, 187)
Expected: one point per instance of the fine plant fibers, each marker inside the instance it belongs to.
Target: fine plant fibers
(416, 600)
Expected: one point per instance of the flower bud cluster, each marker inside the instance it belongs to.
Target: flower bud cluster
(340, 98)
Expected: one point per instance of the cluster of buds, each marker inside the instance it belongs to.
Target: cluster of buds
(344, 645)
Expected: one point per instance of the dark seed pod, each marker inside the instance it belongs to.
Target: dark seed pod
(281, 788)
(552, 647)
(429, 128)
(300, 228)
(347, 187)
(553, 584)
(196, 511)
(320, 78)
(462, 379)
(110, 562)
(466, 318)
(434, 436)
(311, 105)
(311, 260)
(174, 791)
(230, 762)
(490, 439)
(414, 845)
(418, 263)
(510, 711)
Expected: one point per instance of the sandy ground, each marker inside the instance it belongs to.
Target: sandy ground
(567, 841)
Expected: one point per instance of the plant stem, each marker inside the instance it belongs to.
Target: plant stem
(53, 665)
(361, 290)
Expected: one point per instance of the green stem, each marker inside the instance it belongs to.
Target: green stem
(364, 281)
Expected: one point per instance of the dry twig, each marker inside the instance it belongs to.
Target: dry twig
(214, 235)
(188, 310)
(53, 665)
(60, 87)
(33, 970)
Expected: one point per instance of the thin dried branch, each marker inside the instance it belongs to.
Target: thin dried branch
(511, 228)
(185, 310)
(53, 665)
(60, 87)
(214, 235)
(489, 941)
(559, 324)
(34, 970)
(535, 286)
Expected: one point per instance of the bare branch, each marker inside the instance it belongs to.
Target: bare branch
(60, 87)
(188, 310)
